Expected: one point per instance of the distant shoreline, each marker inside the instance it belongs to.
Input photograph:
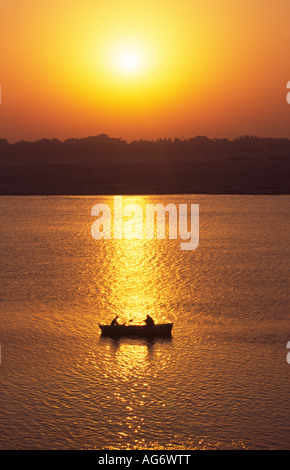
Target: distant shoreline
(104, 166)
(132, 179)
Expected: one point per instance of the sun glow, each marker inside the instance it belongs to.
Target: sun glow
(143, 69)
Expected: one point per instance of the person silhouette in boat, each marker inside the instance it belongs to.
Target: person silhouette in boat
(149, 321)
(115, 322)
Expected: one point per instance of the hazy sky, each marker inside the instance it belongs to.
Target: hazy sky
(133, 69)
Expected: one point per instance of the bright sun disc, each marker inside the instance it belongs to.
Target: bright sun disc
(129, 61)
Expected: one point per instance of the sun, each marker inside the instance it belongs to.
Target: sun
(126, 64)
(129, 61)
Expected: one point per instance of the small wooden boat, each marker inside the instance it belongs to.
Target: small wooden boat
(163, 329)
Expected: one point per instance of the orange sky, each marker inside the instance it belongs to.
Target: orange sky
(74, 68)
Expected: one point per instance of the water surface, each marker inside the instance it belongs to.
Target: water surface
(222, 381)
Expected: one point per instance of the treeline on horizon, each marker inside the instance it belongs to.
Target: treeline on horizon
(105, 165)
(104, 148)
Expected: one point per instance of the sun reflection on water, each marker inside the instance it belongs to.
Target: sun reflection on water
(130, 358)
(138, 278)
(130, 368)
(127, 359)
(134, 276)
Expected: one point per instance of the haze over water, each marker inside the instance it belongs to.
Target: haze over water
(222, 381)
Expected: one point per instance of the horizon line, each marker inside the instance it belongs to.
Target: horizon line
(141, 139)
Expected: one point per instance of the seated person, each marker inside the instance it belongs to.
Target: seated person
(114, 322)
(149, 321)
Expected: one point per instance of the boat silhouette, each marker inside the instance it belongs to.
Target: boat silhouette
(162, 330)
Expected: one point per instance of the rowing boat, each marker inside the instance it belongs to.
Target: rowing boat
(163, 329)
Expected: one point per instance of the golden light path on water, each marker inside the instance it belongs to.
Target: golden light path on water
(134, 291)
(135, 277)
